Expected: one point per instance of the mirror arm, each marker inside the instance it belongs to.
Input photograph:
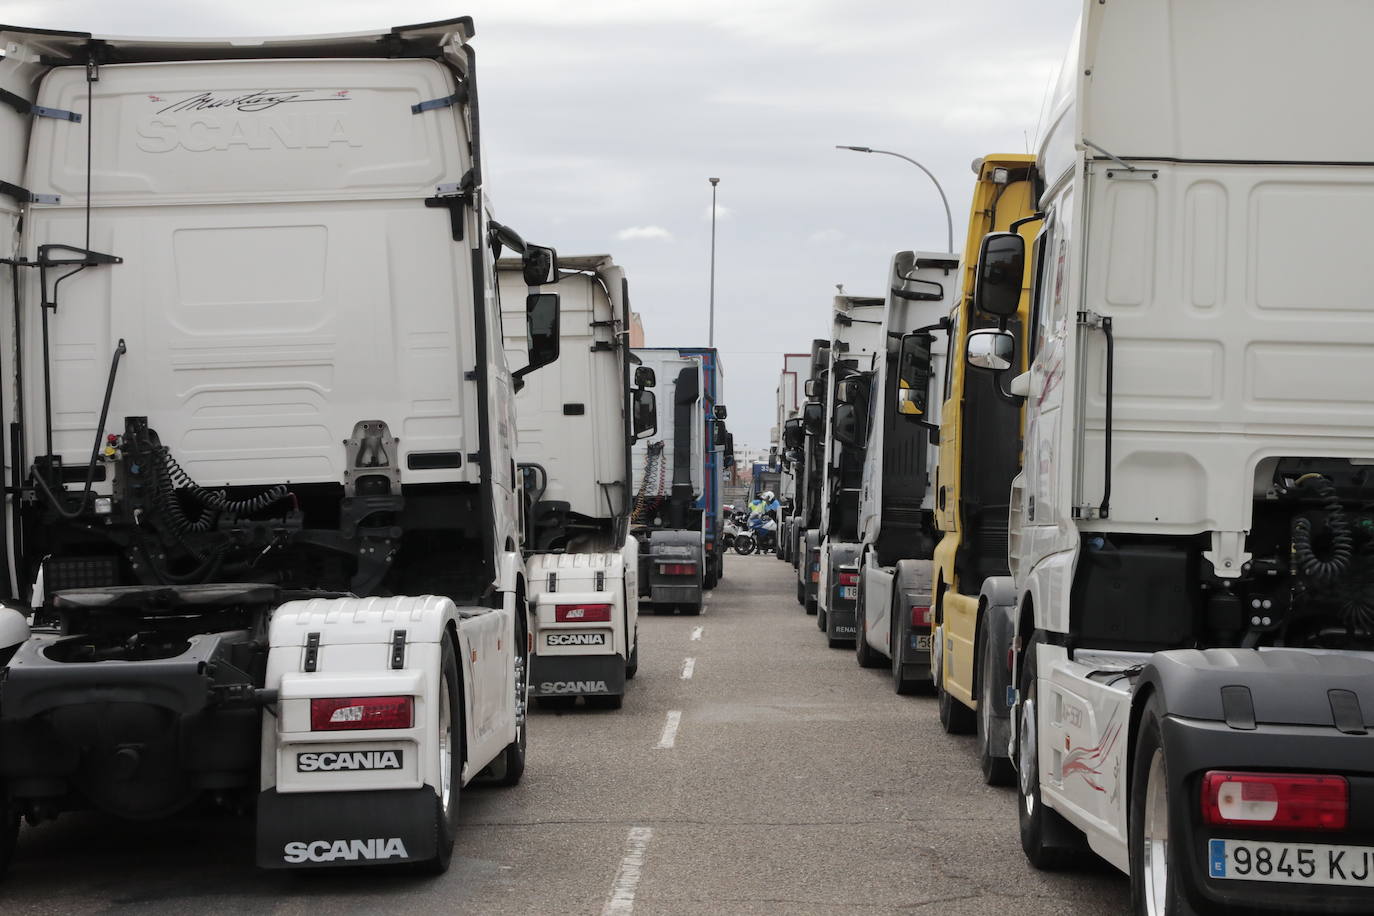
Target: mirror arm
(1015, 400)
(1017, 224)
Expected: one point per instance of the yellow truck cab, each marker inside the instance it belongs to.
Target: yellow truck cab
(980, 453)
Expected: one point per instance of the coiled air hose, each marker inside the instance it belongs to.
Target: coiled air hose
(1327, 570)
(172, 478)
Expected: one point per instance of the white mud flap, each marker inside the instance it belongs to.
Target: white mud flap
(351, 759)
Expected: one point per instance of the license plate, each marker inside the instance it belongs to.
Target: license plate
(849, 591)
(922, 641)
(1291, 863)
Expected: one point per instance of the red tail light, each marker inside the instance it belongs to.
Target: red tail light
(920, 616)
(849, 578)
(582, 613)
(1275, 800)
(677, 569)
(338, 714)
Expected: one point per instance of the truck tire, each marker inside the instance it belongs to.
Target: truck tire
(9, 833)
(801, 593)
(450, 741)
(632, 666)
(820, 618)
(955, 717)
(510, 766)
(1154, 860)
(1049, 841)
(811, 605)
(997, 770)
(902, 685)
(864, 654)
(606, 702)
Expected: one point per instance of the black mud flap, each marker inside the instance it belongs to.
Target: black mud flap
(333, 829)
(577, 675)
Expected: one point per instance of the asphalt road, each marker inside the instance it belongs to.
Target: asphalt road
(796, 782)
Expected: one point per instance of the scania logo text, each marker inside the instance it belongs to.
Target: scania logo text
(324, 761)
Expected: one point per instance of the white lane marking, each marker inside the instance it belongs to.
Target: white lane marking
(669, 736)
(622, 899)
(696, 633)
(688, 666)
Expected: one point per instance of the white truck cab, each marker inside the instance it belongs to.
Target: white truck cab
(261, 522)
(1191, 536)
(897, 415)
(856, 342)
(577, 421)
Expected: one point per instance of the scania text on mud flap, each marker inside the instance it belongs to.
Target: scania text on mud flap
(296, 401)
(1191, 534)
(577, 424)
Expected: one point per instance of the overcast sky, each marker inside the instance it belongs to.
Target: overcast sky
(603, 119)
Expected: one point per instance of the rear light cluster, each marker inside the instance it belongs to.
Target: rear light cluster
(920, 616)
(1275, 800)
(339, 714)
(677, 569)
(815, 566)
(849, 578)
(582, 613)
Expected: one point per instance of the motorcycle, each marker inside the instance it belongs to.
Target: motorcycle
(735, 525)
(762, 534)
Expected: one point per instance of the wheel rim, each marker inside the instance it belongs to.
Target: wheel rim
(1155, 838)
(445, 749)
(984, 712)
(1026, 757)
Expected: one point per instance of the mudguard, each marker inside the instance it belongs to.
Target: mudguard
(674, 546)
(573, 657)
(912, 586)
(998, 626)
(383, 807)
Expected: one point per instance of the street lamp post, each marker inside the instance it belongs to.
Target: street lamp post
(711, 327)
(949, 218)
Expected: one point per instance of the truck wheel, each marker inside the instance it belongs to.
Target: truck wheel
(820, 618)
(9, 833)
(1154, 860)
(811, 605)
(801, 593)
(1046, 838)
(632, 666)
(510, 766)
(955, 717)
(864, 654)
(606, 702)
(900, 684)
(997, 770)
(450, 739)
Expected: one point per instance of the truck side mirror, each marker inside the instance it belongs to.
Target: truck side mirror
(645, 378)
(793, 434)
(539, 265)
(812, 388)
(913, 375)
(849, 425)
(1000, 274)
(644, 413)
(991, 349)
(728, 459)
(541, 326)
(813, 418)
(850, 390)
(719, 412)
